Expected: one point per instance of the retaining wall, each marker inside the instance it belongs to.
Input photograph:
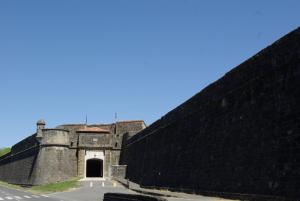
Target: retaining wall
(239, 135)
(33, 163)
(19, 168)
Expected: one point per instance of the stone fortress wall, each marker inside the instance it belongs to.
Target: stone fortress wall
(111, 143)
(52, 155)
(19, 166)
(33, 162)
(240, 135)
(55, 160)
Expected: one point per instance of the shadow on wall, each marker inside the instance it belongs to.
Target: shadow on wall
(11, 165)
(240, 135)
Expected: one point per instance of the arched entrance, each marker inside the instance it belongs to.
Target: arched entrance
(94, 168)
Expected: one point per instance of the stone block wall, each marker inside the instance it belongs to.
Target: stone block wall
(73, 135)
(118, 171)
(56, 161)
(20, 167)
(94, 140)
(57, 137)
(129, 126)
(107, 163)
(81, 162)
(54, 165)
(25, 144)
(238, 136)
(32, 162)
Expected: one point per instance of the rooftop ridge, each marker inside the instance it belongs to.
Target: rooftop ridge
(130, 121)
(92, 129)
(72, 125)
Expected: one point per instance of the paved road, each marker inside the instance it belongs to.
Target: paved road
(94, 191)
(9, 194)
(90, 191)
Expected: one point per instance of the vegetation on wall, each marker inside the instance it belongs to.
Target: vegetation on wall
(4, 151)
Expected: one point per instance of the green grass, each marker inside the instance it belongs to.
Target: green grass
(4, 151)
(47, 188)
(4, 184)
(56, 187)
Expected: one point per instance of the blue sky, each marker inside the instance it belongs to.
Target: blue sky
(61, 60)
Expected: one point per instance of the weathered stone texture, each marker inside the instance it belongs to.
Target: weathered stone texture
(107, 163)
(60, 168)
(53, 155)
(55, 137)
(94, 140)
(73, 162)
(129, 126)
(81, 162)
(240, 135)
(118, 171)
(25, 144)
(20, 167)
(73, 135)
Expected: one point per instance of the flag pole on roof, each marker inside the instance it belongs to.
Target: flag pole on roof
(116, 117)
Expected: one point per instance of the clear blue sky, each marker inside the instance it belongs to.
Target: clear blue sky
(61, 60)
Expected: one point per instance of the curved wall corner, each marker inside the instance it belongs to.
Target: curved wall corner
(55, 137)
(55, 164)
(56, 161)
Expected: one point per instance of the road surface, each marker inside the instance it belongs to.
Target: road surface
(90, 191)
(10, 194)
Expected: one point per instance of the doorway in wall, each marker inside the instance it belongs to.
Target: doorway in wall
(94, 168)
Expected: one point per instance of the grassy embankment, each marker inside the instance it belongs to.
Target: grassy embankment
(4, 151)
(56, 187)
(47, 188)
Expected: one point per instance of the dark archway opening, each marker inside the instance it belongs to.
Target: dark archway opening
(94, 168)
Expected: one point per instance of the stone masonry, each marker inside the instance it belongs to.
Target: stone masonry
(73, 150)
(239, 136)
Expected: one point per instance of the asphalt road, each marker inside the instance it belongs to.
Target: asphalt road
(9, 194)
(90, 191)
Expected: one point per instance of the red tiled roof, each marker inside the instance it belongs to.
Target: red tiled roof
(87, 129)
(130, 121)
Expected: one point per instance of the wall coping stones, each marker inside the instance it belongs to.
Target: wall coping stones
(54, 129)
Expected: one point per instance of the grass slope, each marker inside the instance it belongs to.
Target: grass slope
(57, 187)
(4, 151)
(47, 188)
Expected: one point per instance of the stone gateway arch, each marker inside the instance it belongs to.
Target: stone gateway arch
(70, 150)
(94, 168)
